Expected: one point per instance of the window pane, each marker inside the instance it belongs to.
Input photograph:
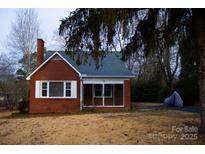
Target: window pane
(56, 89)
(68, 85)
(44, 92)
(98, 90)
(68, 93)
(44, 85)
(108, 90)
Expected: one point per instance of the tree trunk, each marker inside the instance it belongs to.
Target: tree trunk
(199, 31)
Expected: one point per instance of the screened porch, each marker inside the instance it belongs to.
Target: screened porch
(103, 95)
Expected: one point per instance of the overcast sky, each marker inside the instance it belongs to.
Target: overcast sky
(48, 19)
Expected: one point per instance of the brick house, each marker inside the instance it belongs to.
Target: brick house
(59, 85)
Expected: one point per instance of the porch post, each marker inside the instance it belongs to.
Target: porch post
(81, 94)
(103, 88)
(93, 94)
(113, 94)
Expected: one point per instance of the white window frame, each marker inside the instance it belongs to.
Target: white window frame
(95, 92)
(64, 88)
(103, 92)
(110, 91)
(41, 89)
(67, 89)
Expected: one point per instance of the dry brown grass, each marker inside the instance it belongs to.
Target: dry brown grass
(98, 128)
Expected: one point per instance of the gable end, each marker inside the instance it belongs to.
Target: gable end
(55, 56)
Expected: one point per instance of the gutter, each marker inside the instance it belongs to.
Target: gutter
(107, 76)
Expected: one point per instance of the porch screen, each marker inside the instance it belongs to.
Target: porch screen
(103, 94)
(118, 94)
(108, 97)
(56, 89)
(87, 95)
(98, 95)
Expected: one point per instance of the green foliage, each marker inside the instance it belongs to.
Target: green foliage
(148, 31)
(188, 89)
(145, 91)
(153, 91)
(164, 92)
(189, 59)
(24, 64)
(187, 86)
(88, 28)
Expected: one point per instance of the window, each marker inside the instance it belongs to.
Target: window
(44, 89)
(56, 89)
(108, 90)
(67, 89)
(98, 90)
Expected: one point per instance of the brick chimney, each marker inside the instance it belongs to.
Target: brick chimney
(40, 48)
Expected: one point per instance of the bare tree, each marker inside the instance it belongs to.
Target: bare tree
(7, 79)
(6, 66)
(58, 42)
(23, 35)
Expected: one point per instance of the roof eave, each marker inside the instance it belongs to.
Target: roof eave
(108, 76)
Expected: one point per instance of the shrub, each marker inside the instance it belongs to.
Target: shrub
(145, 91)
(134, 90)
(188, 89)
(23, 106)
(164, 93)
(153, 91)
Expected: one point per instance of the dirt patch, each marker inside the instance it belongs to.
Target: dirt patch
(157, 127)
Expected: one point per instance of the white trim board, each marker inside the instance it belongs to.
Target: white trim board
(107, 76)
(56, 53)
(102, 81)
(105, 106)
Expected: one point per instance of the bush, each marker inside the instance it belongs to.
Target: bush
(164, 93)
(23, 106)
(145, 91)
(188, 89)
(134, 90)
(153, 91)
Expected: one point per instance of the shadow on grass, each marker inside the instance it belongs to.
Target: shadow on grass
(18, 115)
(134, 109)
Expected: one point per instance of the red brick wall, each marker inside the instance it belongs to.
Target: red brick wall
(40, 48)
(127, 94)
(54, 70)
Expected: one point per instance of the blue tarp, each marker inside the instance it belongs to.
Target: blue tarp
(174, 100)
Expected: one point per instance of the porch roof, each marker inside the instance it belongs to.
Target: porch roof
(111, 65)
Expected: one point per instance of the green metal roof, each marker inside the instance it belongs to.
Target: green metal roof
(111, 65)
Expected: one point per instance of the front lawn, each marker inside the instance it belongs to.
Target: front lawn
(138, 127)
